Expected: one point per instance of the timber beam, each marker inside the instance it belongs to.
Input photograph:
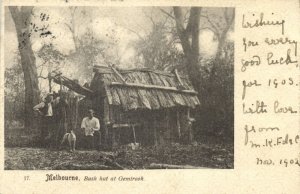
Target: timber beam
(145, 86)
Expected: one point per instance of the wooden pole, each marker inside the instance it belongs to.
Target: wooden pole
(113, 130)
(106, 119)
(50, 80)
(178, 79)
(178, 124)
(118, 74)
(147, 86)
(134, 137)
(189, 126)
(60, 84)
(168, 125)
(155, 131)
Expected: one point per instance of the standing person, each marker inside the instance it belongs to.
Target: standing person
(45, 109)
(90, 124)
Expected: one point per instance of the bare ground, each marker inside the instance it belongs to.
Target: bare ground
(217, 156)
(22, 153)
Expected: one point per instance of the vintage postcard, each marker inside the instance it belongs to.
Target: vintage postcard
(150, 97)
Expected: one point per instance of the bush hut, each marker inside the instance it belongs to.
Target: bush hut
(143, 105)
(140, 105)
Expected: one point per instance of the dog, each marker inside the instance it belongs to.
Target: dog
(71, 138)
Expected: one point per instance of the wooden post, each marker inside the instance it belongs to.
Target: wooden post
(113, 137)
(50, 80)
(155, 131)
(168, 128)
(178, 124)
(181, 86)
(118, 74)
(61, 86)
(106, 119)
(190, 130)
(119, 136)
(149, 86)
(133, 130)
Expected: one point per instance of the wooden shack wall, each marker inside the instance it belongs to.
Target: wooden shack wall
(185, 126)
(153, 126)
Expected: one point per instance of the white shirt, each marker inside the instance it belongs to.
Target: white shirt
(90, 125)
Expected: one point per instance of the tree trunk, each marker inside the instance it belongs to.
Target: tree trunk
(222, 35)
(220, 47)
(189, 38)
(21, 21)
(72, 28)
(222, 40)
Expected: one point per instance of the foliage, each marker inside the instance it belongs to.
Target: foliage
(14, 92)
(220, 23)
(51, 60)
(217, 98)
(159, 49)
(93, 51)
(51, 57)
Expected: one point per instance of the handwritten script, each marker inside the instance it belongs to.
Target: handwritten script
(269, 88)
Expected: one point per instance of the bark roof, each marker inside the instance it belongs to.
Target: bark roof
(144, 88)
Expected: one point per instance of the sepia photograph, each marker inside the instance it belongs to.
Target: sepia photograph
(118, 88)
